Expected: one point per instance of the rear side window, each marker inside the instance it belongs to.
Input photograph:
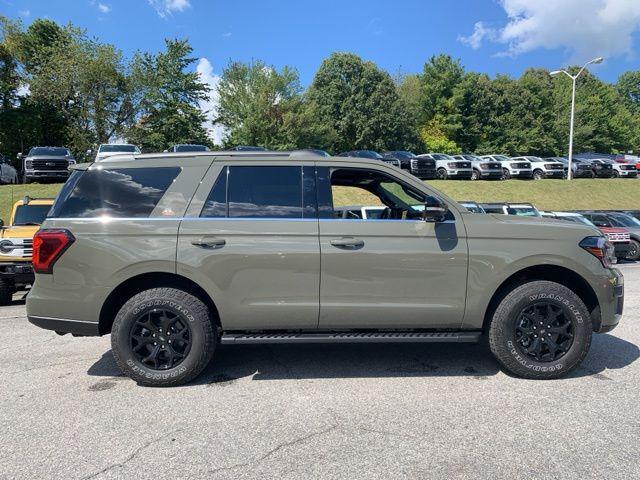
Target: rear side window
(262, 192)
(125, 192)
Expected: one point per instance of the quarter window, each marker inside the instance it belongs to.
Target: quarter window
(125, 192)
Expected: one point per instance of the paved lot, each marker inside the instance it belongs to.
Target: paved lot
(365, 411)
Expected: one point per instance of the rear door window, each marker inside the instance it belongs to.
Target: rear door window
(124, 192)
(262, 192)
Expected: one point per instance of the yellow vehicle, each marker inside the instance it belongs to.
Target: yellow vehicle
(16, 245)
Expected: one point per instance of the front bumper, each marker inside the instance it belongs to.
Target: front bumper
(491, 174)
(628, 173)
(424, 173)
(582, 174)
(521, 173)
(21, 273)
(611, 298)
(46, 173)
(554, 174)
(604, 174)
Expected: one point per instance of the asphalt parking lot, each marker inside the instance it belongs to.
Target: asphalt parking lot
(318, 411)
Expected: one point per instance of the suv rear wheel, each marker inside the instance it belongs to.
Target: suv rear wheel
(634, 250)
(541, 330)
(163, 337)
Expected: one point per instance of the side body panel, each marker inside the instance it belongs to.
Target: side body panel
(265, 276)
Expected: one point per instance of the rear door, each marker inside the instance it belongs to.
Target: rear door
(250, 239)
(395, 271)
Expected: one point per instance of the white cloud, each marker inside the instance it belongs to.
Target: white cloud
(227, 34)
(165, 8)
(205, 70)
(24, 13)
(104, 8)
(585, 28)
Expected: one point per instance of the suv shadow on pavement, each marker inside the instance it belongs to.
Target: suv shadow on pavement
(318, 361)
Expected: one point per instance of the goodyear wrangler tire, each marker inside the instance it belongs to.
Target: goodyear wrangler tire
(540, 330)
(163, 337)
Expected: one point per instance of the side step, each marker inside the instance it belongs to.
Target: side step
(351, 337)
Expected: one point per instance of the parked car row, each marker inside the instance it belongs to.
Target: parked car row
(51, 163)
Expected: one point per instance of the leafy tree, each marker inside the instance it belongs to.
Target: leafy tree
(169, 95)
(361, 105)
(628, 87)
(434, 138)
(262, 106)
(439, 77)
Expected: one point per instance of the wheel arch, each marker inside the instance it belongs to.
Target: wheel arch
(554, 273)
(145, 281)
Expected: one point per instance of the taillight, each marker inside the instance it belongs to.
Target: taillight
(48, 246)
(601, 249)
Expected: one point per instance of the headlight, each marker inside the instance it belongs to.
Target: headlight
(600, 248)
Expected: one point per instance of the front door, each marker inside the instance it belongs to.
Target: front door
(394, 271)
(250, 239)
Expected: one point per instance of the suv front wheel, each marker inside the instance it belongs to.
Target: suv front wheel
(541, 330)
(163, 337)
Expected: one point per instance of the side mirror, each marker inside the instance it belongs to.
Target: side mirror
(434, 210)
(19, 156)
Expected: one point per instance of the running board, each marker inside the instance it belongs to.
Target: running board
(350, 337)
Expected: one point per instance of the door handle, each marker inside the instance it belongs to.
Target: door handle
(212, 243)
(348, 243)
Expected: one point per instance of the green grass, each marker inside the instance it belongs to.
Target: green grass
(545, 194)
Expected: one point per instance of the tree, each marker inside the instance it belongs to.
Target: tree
(440, 76)
(262, 106)
(434, 138)
(361, 105)
(628, 87)
(169, 95)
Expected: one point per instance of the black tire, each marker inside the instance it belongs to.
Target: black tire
(6, 292)
(475, 174)
(634, 250)
(538, 174)
(616, 174)
(201, 337)
(507, 347)
(506, 175)
(442, 174)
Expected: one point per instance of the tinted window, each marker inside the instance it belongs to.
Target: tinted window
(52, 151)
(119, 148)
(31, 214)
(190, 148)
(260, 192)
(126, 192)
(216, 204)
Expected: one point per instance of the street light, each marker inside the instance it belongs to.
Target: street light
(573, 104)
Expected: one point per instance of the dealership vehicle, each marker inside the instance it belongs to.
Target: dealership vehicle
(579, 168)
(520, 209)
(46, 163)
(483, 169)
(372, 155)
(473, 207)
(424, 168)
(604, 219)
(174, 255)
(511, 168)
(599, 169)
(619, 170)
(8, 174)
(188, 147)
(247, 148)
(107, 150)
(542, 168)
(619, 237)
(448, 167)
(16, 239)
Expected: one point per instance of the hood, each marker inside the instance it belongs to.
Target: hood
(526, 228)
(50, 158)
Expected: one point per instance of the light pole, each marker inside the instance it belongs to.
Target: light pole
(573, 105)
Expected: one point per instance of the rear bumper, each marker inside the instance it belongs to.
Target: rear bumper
(64, 325)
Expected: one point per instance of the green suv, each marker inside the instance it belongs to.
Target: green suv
(175, 253)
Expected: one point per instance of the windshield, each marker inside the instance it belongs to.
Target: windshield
(52, 151)
(190, 148)
(523, 211)
(576, 219)
(369, 154)
(401, 154)
(119, 148)
(501, 158)
(473, 158)
(442, 156)
(626, 220)
(31, 214)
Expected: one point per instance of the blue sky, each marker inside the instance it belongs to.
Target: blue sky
(492, 36)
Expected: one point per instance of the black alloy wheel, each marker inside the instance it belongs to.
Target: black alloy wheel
(160, 339)
(544, 332)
